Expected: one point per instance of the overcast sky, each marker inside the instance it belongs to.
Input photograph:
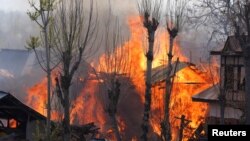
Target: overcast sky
(14, 5)
(23, 5)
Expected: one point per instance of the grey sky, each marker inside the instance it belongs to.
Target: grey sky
(14, 5)
(23, 5)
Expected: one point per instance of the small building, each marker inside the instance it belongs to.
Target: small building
(18, 121)
(227, 99)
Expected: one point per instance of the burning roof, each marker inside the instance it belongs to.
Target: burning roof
(159, 73)
(189, 80)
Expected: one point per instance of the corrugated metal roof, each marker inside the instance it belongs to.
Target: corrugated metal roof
(159, 73)
(212, 94)
(208, 95)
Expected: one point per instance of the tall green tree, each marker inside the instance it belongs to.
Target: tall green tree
(42, 15)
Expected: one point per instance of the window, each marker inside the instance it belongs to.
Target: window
(229, 78)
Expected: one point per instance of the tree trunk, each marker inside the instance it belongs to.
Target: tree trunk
(147, 105)
(165, 125)
(115, 127)
(222, 106)
(247, 82)
(113, 95)
(66, 122)
(47, 48)
(167, 128)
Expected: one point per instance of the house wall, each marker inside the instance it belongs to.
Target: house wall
(232, 72)
(35, 129)
(231, 115)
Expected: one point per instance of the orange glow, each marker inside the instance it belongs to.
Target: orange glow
(37, 97)
(12, 123)
(188, 81)
(121, 125)
(134, 139)
(87, 108)
(81, 112)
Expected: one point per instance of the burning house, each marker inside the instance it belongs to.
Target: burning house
(89, 99)
(226, 99)
(188, 79)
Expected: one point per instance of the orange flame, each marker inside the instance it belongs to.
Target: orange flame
(87, 108)
(188, 81)
(80, 111)
(37, 96)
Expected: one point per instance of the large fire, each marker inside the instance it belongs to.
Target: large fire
(187, 82)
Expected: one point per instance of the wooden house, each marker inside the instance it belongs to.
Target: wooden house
(227, 99)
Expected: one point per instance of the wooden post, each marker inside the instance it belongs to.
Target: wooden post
(183, 124)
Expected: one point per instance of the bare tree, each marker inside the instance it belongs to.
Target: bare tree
(212, 15)
(150, 12)
(216, 16)
(114, 66)
(240, 16)
(42, 16)
(174, 20)
(232, 17)
(74, 34)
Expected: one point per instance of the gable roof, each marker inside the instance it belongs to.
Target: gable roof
(159, 73)
(209, 95)
(232, 47)
(232, 44)
(11, 107)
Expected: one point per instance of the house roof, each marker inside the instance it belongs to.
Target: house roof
(231, 47)
(13, 60)
(159, 73)
(234, 44)
(209, 95)
(11, 107)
